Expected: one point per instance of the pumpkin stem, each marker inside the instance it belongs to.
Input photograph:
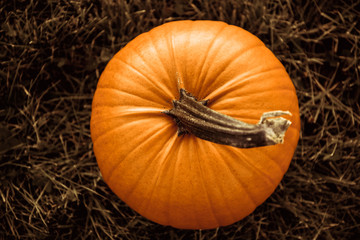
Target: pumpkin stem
(194, 117)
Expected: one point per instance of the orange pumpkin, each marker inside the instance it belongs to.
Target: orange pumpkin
(183, 180)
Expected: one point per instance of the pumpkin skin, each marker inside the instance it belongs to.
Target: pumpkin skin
(187, 182)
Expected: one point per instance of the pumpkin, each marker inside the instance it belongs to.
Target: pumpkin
(157, 160)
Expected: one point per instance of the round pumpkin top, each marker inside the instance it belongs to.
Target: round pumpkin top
(185, 181)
